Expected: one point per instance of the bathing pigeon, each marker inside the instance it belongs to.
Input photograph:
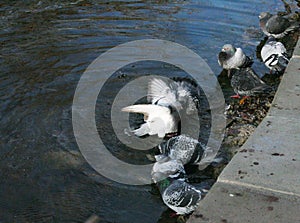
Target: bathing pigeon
(181, 197)
(245, 82)
(183, 148)
(159, 120)
(275, 25)
(179, 94)
(164, 168)
(274, 55)
(233, 58)
(168, 100)
(176, 193)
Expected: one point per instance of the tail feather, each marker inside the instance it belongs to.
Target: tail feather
(281, 64)
(283, 61)
(262, 89)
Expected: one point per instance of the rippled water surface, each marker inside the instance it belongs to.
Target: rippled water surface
(45, 48)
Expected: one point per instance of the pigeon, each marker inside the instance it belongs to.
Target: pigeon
(275, 25)
(183, 148)
(179, 94)
(159, 120)
(180, 196)
(274, 55)
(176, 193)
(164, 168)
(168, 99)
(245, 82)
(233, 58)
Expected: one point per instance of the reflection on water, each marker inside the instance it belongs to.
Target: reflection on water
(45, 47)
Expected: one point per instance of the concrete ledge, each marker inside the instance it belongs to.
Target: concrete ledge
(262, 181)
(230, 203)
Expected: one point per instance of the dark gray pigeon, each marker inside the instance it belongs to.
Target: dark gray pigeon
(245, 82)
(275, 25)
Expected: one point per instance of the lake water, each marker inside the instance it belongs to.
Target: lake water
(45, 48)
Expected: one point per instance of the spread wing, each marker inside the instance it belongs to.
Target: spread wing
(180, 95)
(161, 93)
(146, 109)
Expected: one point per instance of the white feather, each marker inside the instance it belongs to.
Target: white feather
(158, 119)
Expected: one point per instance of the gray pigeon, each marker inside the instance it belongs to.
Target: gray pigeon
(245, 82)
(275, 25)
(167, 168)
(181, 197)
(233, 58)
(176, 193)
(274, 55)
(167, 100)
(184, 148)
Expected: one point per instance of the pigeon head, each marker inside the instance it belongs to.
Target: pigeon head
(263, 19)
(264, 15)
(229, 49)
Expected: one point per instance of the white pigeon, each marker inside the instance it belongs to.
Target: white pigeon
(159, 120)
(274, 55)
(168, 100)
(176, 193)
(233, 58)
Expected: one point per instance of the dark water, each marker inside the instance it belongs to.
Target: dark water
(45, 48)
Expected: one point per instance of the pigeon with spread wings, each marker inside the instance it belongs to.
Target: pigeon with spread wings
(168, 98)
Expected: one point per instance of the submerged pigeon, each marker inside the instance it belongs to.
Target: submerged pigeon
(177, 194)
(233, 58)
(184, 148)
(168, 100)
(245, 82)
(274, 55)
(275, 25)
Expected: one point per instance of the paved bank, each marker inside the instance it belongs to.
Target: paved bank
(262, 181)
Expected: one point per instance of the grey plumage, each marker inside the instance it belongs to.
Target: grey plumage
(181, 197)
(245, 82)
(176, 193)
(233, 58)
(275, 25)
(184, 148)
(167, 168)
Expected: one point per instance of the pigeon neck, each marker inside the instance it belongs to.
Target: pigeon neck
(164, 184)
